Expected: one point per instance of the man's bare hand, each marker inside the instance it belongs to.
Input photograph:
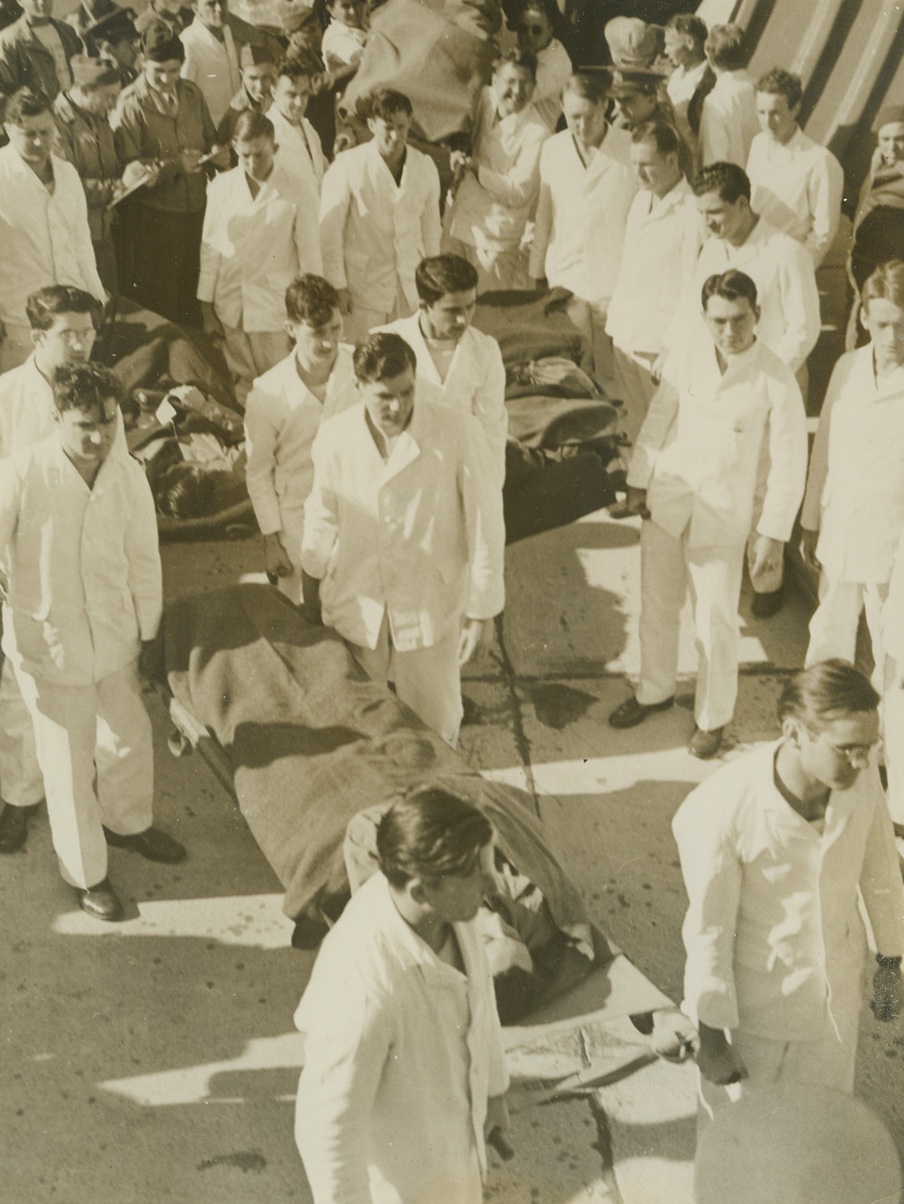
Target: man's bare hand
(766, 557)
(808, 541)
(888, 993)
(476, 636)
(636, 501)
(345, 300)
(496, 1127)
(276, 558)
(718, 1061)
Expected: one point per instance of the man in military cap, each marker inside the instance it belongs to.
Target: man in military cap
(116, 37)
(258, 67)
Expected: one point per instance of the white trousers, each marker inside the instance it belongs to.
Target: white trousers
(428, 680)
(833, 628)
(669, 567)
(828, 1060)
(16, 346)
(249, 356)
(634, 386)
(85, 734)
(21, 784)
(590, 320)
(358, 324)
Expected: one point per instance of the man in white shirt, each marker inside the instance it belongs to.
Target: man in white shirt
(780, 851)
(404, 1074)
(662, 242)
(379, 217)
(254, 244)
(685, 38)
(586, 189)
(283, 414)
(457, 365)
(796, 184)
(78, 536)
(404, 536)
(63, 330)
(693, 476)
(300, 149)
(497, 183)
(853, 512)
(44, 233)
(785, 278)
(213, 43)
(728, 118)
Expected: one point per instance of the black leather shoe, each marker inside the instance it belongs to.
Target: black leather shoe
(101, 902)
(152, 844)
(631, 712)
(764, 606)
(14, 827)
(705, 744)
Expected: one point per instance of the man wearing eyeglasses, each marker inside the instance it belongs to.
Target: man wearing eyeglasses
(777, 849)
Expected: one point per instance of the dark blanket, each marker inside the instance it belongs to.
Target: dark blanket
(311, 742)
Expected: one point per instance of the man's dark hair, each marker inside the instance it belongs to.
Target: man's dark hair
(690, 25)
(726, 47)
(384, 103)
(727, 179)
(441, 274)
(251, 124)
(824, 691)
(26, 102)
(732, 285)
(886, 283)
(85, 387)
(664, 136)
(524, 59)
(782, 83)
(302, 63)
(382, 356)
(42, 307)
(431, 834)
(593, 87)
(311, 299)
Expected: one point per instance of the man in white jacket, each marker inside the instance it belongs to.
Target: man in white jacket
(780, 852)
(404, 1073)
(404, 535)
(693, 477)
(283, 415)
(255, 242)
(379, 217)
(78, 535)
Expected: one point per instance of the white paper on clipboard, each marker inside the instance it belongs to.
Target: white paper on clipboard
(132, 188)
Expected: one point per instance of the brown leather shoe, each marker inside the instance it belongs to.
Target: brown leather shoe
(705, 744)
(152, 844)
(101, 902)
(631, 712)
(14, 827)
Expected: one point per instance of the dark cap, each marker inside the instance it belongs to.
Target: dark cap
(252, 54)
(296, 17)
(890, 115)
(161, 45)
(118, 26)
(90, 72)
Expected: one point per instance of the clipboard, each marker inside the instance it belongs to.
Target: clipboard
(128, 191)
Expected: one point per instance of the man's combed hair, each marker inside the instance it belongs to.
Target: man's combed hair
(302, 63)
(312, 300)
(85, 387)
(382, 356)
(525, 59)
(664, 136)
(732, 286)
(778, 82)
(726, 47)
(385, 103)
(727, 179)
(26, 102)
(886, 283)
(431, 834)
(826, 691)
(42, 307)
(589, 86)
(251, 124)
(690, 25)
(441, 274)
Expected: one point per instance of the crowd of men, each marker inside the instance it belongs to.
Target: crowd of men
(190, 160)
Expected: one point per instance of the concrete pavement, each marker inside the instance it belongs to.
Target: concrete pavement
(156, 1060)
